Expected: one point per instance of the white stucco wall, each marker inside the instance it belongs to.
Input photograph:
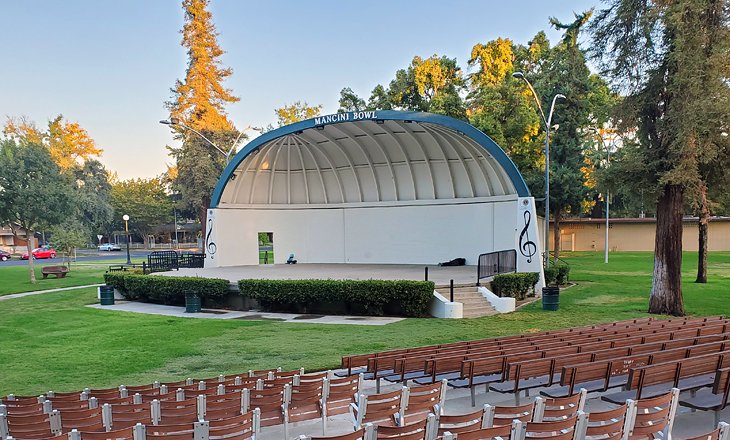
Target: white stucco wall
(382, 234)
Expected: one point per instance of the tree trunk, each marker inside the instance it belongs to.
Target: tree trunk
(703, 227)
(29, 236)
(666, 289)
(556, 235)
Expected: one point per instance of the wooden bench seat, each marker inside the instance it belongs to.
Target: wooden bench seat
(58, 271)
(686, 374)
(714, 399)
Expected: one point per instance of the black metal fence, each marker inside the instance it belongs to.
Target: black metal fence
(190, 260)
(162, 261)
(495, 263)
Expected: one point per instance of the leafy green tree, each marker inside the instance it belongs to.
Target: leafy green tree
(33, 193)
(199, 103)
(670, 58)
(350, 102)
(499, 106)
(69, 236)
(429, 85)
(379, 99)
(296, 112)
(92, 196)
(146, 203)
(68, 143)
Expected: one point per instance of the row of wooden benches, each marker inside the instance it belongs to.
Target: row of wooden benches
(360, 363)
(454, 362)
(557, 419)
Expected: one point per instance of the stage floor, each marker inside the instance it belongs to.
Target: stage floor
(439, 275)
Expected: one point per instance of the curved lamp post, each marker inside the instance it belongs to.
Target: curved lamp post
(546, 122)
(176, 122)
(125, 217)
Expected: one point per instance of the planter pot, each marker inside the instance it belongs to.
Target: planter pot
(106, 295)
(550, 298)
(192, 303)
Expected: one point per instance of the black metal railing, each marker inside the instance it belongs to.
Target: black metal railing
(191, 260)
(161, 261)
(494, 263)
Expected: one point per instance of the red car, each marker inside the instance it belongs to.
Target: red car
(40, 253)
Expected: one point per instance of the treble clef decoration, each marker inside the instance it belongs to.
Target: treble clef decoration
(210, 246)
(528, 248)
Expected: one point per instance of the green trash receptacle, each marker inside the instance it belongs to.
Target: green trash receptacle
(550, 298)
(192, 303)
(106, 295)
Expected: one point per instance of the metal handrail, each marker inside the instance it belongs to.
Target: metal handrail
(493, 263)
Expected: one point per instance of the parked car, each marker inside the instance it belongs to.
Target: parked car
(40, 253)
(4, 256)
(110, 247)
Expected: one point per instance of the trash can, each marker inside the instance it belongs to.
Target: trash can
(192, 303)
(106, 295)
(550, 298)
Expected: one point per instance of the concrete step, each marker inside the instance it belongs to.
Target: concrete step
(478, 312)
(475, 305)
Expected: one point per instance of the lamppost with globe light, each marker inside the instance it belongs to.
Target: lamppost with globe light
(546, 122)
(125, 217)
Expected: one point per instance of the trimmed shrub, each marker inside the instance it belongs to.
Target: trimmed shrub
(563, 272)
(551, 276)
(557, 275)
(167, 290)
(364, 297)
(515, 285)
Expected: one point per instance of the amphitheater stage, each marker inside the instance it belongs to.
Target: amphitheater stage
(440, 275)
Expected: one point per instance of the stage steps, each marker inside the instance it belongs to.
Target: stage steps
(475, 305)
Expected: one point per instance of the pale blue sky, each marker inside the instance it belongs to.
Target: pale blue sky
(109, 65)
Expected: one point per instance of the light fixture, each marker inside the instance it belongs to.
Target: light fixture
(379, 121)
(320, 127)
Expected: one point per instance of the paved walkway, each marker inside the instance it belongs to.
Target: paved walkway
(159, 309)
(39, 292)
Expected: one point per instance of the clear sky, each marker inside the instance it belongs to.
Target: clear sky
(109, 65)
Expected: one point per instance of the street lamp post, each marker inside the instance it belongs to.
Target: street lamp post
(177, 241)
(125, 217)
(546, 122)
(608, 209)
(176, 122)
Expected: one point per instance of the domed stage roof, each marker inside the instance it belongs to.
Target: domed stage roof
(368, 157)
(371, 187)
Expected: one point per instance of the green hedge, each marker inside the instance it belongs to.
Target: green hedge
(367, 297)
(167, 290)
(515, 285)
(557, 275)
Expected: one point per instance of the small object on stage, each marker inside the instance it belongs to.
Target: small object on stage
(291, 259)
(454, 262)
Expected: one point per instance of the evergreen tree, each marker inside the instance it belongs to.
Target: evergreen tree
(670, 58)
(199, 102)
(350, 102)
(566, 72)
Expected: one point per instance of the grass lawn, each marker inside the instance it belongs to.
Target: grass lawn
(16, 279)
(52, 342)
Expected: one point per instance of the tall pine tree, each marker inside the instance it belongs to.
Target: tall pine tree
(670, 59)
(199, 102)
